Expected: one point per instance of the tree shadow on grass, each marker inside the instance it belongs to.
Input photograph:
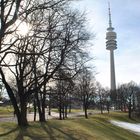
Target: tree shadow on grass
(135, 120)
(9, 132)
(24, 132)
(51, 131)
(21, 134)
(45, 131)
(48, 130)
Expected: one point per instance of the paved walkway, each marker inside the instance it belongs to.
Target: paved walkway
(30, 116)
(8, 119)
(129, 126)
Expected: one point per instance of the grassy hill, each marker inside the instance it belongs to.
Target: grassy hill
(97, 127)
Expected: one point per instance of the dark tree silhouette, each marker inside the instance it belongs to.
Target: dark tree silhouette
(56, 37)
(85, 88)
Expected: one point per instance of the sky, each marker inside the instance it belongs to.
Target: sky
(126, 21)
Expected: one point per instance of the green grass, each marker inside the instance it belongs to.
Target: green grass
(54, 110)
(72, 110)
(97, 127)
(5, 111)
(76, 110)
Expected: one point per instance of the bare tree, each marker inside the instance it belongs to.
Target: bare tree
(85, 88)
(10, 12)
(64, 87)
(57, 34)
(100, 95)
(127, 97)
(122, 97)
(65, 38)
(132, 89)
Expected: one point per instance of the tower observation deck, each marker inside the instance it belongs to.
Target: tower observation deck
(111, 45)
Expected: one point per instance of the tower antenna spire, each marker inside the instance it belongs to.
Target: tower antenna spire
(109, 11)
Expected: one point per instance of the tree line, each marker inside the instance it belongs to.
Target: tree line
(52, 50)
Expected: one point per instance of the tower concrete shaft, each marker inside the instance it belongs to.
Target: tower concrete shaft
(112, 71)
(111, 45)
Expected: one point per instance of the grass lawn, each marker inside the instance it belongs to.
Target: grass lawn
(97, 127)
(72, 110)
(6, 111)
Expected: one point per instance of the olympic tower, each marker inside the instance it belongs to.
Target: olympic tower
(111, 45)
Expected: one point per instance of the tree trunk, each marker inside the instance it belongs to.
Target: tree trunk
(70, 106)
(124, 107)
(60, 112)
(63, 111)
(49, 106)
(41, 110)
(66, 112)
(101, 104)
(101, 107)
(34, 110)
(60, 107)
(43, 119)
(38, 106)
(133, 103)
(21, 115)
(108, 105)
(129, 109)
(121, 106)
(49, 110)
(65, 104)
(85, 109)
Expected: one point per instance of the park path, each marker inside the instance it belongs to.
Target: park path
(129, 126)
(30, 116)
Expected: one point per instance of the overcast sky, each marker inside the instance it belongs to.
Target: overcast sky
(126, 21)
